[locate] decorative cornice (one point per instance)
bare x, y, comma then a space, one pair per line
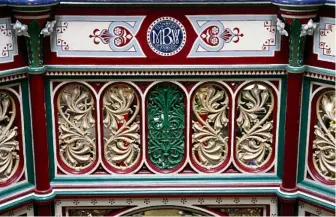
12, 77
165, 73
320, 76
287, 3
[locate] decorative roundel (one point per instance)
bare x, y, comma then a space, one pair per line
166, 36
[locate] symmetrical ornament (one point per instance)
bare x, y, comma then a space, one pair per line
9, 146
210, 130
297, 43
34, 45
8, 46
324, 144
324, 40
166, 126
255, 122
228, 36
76, 119
177, 206
166, 36
99, 36
121, 106
158, 127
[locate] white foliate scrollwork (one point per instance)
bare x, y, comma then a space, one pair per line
324, 144
75, 106
281, 27
121, 127
254, 136
210, 106
309, 28
9, 146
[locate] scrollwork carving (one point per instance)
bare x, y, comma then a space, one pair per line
166, 126
324, 144
76, 121
254, 136
9, 146
122, 126
209, 139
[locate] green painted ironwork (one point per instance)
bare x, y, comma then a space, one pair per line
166, 126
34, 46
296, 44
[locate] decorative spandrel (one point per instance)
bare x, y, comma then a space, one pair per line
76, 119
254, 138
9, 146
121, 119
324, 145
210, 126
166, 126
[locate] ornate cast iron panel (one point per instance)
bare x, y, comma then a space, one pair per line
166, 126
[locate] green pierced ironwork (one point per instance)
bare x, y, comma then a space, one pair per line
296, 44
166, 126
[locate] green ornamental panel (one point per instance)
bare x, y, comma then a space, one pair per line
166, 126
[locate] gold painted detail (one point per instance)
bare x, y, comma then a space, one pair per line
9, 146
76, 121
243, 211
121, 126
210, 132
89, 212
324, 144
254, 133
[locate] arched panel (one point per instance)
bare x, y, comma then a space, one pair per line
254, 128
11, 147
321, 155
166, 127
76, 118
120, 120
210, 150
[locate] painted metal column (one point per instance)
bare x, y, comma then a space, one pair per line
29, 23
296, 23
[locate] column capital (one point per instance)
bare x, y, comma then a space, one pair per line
33, 23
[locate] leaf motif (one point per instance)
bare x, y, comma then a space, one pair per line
121, 106
9, 146
324, 144
254, 110
76, 126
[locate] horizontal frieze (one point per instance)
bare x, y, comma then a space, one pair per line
165, 127
165, 37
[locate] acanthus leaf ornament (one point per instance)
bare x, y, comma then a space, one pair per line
48, 29
210, 146
166, 126
121, 114
309, 28
20, 29
324, 144
254, 144
281, 27
76, 127
9, 146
